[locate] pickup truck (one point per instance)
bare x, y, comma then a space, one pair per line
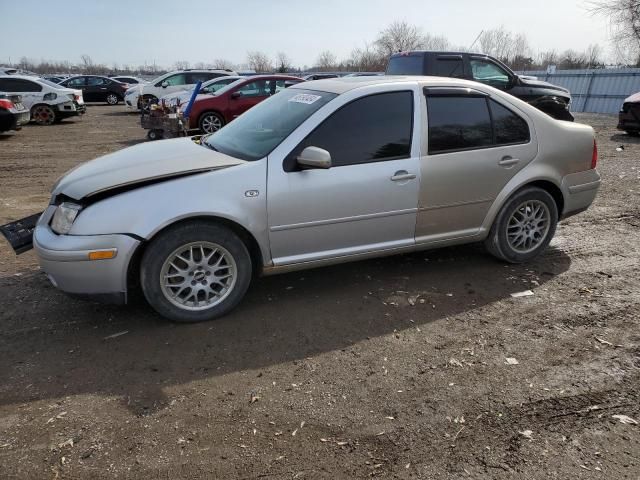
549, 98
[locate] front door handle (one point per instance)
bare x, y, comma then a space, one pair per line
402, 175
508, 161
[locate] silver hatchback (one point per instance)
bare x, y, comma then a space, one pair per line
324, 172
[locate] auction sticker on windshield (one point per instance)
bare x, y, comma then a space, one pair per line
305, 98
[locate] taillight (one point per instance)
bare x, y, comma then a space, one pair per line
7, 104
76, 97
594, 156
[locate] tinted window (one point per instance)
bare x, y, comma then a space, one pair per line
370, 129
458, 123
95, 81
195, 77
507, 126
406, 65
488, 72
19, 85
448, 67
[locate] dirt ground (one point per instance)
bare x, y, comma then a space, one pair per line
390, 368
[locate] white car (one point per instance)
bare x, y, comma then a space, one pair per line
48, 102
169, 83
207, 88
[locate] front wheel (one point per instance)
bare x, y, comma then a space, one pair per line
195, 271
524, 226
43, 115
210, 122
112, 99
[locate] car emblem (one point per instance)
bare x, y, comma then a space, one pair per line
251, 193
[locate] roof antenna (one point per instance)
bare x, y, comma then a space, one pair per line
477, 38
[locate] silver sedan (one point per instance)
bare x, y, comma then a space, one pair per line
324, 172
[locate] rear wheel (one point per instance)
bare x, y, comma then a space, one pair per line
112, 99
524, 226
195, 271
43, 115
210, 122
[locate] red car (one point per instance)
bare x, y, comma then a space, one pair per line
211, 112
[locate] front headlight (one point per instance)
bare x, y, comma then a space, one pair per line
64, 217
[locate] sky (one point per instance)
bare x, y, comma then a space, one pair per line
163, 31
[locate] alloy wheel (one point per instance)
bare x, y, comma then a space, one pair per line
44, 115
528, 226
112, 99
211, 124
198, 276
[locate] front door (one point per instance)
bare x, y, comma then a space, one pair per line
247, 96
475, 146
96, 89
367, 200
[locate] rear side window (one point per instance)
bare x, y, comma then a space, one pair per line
448, 67
95, 81
508, 127
406, 65
370, 129
195, 77
459, 123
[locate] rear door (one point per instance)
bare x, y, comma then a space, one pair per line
446, 66
31, 92
475, 145
97, 89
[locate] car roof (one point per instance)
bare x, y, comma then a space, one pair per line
344, 84
23, 77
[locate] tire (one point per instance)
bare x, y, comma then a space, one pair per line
524, 226
210, 122
112, 98
176, 280
633, 133
155, 134
43, 114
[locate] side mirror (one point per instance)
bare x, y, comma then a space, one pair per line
314, 157
236, 94
164, 84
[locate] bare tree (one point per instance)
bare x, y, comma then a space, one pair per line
222, 64
326, 61
283, 62
593, 55
434, 42
624, 20
399, 36
367, 59
181, 65
87, 63
259, 61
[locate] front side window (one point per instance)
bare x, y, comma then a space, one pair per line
448, 67
173, 80
458, 123
254, 89
467, 122
370, 129
76, 82
95, 81
255, 133
485, 71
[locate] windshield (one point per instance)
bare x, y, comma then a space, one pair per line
231, 85
256, 133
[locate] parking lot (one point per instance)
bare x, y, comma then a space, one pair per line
414, 366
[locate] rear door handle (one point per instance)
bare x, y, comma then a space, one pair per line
401, 175
508, 161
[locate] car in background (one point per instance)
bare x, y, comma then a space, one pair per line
169, 83
319, 76
629, 116
324, 172
211, 112
96, 88
48, 102
13, 114
54, 78
129, 80
210, 87
364, 74
551, 99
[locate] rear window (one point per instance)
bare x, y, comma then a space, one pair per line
448, 67
406, 65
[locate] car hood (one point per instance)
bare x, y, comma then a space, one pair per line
635, 98
141, 164
528, 82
